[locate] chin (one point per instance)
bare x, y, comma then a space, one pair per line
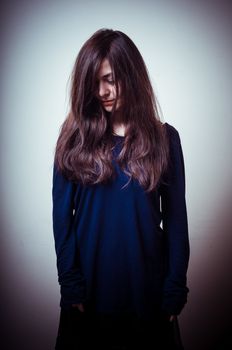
108, 108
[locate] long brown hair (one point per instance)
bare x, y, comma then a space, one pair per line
84, 146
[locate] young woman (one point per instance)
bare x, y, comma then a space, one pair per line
119, 210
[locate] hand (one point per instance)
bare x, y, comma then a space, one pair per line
171, 318
80, 307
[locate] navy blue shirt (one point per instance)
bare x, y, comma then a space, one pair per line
120, 249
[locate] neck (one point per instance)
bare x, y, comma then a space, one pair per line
118, 124
119, 129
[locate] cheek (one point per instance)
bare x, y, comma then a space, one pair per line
113, 91
119, 90
119, 103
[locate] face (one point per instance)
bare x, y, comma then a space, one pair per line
106, 88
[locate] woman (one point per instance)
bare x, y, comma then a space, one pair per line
118, 176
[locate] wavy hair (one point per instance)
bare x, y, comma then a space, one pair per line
85, 143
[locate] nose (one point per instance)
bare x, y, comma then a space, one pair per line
103, 89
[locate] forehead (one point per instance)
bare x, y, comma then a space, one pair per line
105, 69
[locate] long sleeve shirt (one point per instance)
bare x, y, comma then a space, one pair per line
112, 253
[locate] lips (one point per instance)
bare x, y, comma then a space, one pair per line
108, 103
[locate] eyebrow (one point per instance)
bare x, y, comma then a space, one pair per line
106, 75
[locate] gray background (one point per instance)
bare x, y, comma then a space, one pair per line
187, 48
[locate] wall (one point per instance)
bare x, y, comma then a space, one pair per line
187, 48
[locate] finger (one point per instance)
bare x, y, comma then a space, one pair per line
79, 306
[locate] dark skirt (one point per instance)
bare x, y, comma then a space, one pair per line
82, 331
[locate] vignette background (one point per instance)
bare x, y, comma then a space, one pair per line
187, 48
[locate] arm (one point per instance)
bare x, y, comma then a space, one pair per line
175, 226
71, 280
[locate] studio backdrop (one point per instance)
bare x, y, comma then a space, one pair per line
187, 48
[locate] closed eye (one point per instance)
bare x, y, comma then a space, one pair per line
110, 81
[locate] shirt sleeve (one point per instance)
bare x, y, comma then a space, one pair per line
175, 226
70, 277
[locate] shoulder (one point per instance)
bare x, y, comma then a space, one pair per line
171, 130
172, 135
